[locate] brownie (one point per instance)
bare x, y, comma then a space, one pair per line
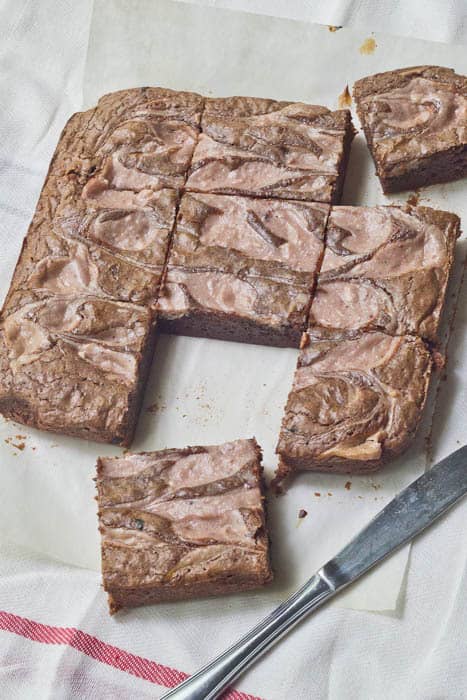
77, 328
385, 268
252, 146
62, 266
75, 366
355, 402
136, 140
242, 268
137, 229
182, 523
415, 122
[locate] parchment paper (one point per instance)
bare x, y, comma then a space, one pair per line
205, 391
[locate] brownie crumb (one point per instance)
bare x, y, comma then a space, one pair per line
332, 28
17, 445
439, 360
344, 99
413, 199
368, 46
156, 407
302, 513
317, 493
348, 485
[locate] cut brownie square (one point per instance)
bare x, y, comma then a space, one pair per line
54, 264
136, 140
76, 337
356, 401
263, 148
138, 229
242, 268
385, 268
75, 365
415, 122
182, 523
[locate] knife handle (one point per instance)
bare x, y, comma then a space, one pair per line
209, 682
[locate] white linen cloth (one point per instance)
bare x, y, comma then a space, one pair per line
417, 651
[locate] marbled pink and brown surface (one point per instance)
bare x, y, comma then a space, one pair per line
78, 323
385, 268
182, 522
411, 114
356, 400
264, 148
251, 258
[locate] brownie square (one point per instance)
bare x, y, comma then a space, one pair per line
76, 339
242, 268
415, 122
62, 266
139, 229
385, 268
356, 401
75, 365
134, 141
263, 148
182, 523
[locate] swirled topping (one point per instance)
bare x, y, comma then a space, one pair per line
265, 301
293, 151
384, 268
420, 106
354, 399
139, 142
69, 267
134, 226
105, 334
68, 274
259, 229
413, 113
182, 510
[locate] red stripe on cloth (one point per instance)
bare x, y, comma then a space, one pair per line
101, 651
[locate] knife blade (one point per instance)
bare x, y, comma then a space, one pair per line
410, 512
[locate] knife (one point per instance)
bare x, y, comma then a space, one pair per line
410, 512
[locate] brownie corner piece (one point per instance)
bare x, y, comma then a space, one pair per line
415, 123
142, 138
265, 148
86, 382
355, 403
182, 523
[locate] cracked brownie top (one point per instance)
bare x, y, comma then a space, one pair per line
183, 519
258, 147
385, 268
